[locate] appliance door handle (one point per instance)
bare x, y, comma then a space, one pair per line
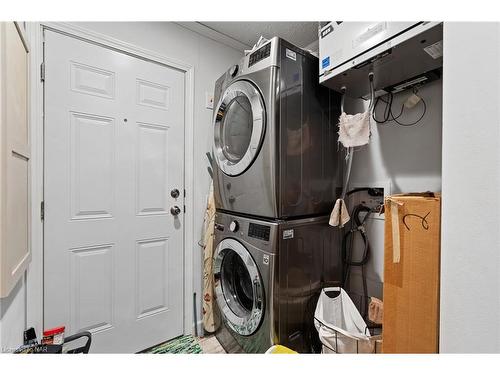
258, 296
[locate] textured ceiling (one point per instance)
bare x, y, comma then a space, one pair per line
299, 33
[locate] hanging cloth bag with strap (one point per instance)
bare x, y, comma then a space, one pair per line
340, 326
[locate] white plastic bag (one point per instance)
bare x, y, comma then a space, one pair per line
340, 326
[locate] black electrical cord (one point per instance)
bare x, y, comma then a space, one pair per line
387, 109
414, 122
388, 114
357, 226
374, 192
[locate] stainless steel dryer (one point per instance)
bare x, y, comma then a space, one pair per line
268, 275
275, 135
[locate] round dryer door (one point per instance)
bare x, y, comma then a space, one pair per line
238, 287
239, 127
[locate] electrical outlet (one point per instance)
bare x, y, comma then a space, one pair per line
368, 200
209, 100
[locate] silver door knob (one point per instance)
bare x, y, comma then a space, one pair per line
175, 210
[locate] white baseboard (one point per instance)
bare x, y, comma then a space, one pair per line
200, 331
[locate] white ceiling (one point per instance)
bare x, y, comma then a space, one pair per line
244, 35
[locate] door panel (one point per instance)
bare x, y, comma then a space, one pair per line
114, 148
151, 276
152, 94
92, 298
15, 253
152, 183
92, 158
93, 81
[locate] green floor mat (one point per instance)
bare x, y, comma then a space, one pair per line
180, 345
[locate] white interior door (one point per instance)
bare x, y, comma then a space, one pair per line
114, 150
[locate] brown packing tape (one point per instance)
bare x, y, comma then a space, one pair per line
396, 239
413, 197
396, 233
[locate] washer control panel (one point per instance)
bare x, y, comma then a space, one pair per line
258, 231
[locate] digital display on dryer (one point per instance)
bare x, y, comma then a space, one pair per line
260, 54
259, 231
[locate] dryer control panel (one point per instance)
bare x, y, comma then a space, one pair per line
263, 57
260, 54
259, 231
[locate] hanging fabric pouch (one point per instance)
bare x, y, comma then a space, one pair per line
354, 130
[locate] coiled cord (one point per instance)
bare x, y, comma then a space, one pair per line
389, 116
357, 226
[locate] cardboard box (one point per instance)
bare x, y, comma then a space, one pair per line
411, 273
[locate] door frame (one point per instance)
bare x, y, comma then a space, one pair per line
34, 294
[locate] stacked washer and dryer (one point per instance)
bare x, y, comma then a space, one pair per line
276, 178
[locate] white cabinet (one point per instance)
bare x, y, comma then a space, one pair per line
14, 157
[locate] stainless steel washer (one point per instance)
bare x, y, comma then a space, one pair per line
268, 275
239, 288
275, 136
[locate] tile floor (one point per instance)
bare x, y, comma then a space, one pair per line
210, 345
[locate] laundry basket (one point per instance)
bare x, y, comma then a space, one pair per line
340, 327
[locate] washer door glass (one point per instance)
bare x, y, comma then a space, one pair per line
238, 287
236, 284
238, 127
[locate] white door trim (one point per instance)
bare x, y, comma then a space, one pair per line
34, 301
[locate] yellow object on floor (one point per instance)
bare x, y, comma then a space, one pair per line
280, 349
